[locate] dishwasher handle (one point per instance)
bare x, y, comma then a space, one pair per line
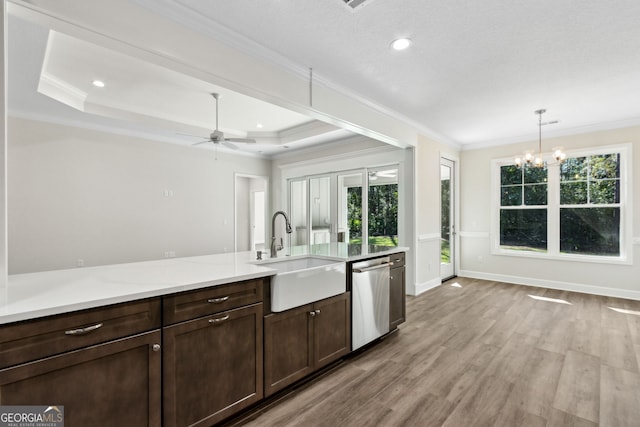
375, 267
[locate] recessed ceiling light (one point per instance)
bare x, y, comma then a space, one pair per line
400, 44
259, 125
98, 83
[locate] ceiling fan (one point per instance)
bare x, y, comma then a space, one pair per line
217, 136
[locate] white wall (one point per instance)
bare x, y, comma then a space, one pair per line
243, 215
3, 147
103, 198
427, 253
476, 258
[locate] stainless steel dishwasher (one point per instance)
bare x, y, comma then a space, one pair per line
370, 300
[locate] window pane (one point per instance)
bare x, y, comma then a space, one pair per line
383, 208
605, 191
605, 166
510, 175
535, 194
573, 193
590, 231
350, 208
574, 169
320, 197
534, 175
298, 206
524, 229
511, 196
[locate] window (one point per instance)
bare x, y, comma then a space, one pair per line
573, 210
383, 207
590, 205
356, 207
523, 208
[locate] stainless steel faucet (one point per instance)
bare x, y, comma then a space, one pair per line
275, 248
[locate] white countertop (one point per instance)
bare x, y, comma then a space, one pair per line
33, 295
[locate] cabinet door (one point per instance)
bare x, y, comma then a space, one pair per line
117, 383
332, 329
397, 298
212, 366
288, 354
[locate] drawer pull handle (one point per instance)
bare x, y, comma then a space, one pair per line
82, 331
217, 300
218, 320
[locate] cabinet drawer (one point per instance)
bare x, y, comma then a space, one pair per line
33, 339
397, 259
193, 304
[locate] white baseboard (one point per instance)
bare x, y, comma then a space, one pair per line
419, 288
563, 286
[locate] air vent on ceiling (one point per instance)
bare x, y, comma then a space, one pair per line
355, 3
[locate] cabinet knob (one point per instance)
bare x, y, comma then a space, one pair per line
312, 313
156, 347
318, 311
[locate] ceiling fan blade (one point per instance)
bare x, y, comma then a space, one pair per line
202, 142
245, 140
189, 134
228, 144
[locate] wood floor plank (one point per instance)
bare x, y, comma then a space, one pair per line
482, 404
578, 391
512, 359
617, 350
536, 386
558, 337
514, 416
335, 408
619, 398
587, 336
424, 410
559, 418
536, 323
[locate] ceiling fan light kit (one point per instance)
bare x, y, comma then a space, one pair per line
532, 159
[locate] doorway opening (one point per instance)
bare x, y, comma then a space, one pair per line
447, 219
251, 206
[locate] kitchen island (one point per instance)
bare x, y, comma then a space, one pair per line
185, 341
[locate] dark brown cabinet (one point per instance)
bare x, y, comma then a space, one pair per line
117, 382
397, 291
212, 366
304, 339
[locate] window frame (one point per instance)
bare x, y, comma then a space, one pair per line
553, 208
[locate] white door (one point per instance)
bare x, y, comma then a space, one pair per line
447, 219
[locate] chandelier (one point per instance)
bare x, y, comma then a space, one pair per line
535, 159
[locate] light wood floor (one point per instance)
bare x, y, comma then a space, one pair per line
480, 353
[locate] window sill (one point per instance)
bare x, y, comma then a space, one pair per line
591, 259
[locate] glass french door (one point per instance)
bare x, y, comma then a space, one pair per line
447, 219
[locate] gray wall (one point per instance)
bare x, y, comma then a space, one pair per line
77, 194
